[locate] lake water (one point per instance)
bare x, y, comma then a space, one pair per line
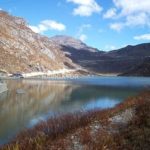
27, 102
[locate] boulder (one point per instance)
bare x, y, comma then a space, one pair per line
3, 87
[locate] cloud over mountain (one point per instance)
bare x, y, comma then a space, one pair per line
142, 37
46, 25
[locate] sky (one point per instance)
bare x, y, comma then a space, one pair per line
103, 24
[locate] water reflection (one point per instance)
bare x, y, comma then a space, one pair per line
41, 99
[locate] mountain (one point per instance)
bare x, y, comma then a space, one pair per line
78, 52
22, 50
72, 42
125, 59
140, 50
113, 62
140, 70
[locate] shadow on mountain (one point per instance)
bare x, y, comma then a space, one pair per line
117, 61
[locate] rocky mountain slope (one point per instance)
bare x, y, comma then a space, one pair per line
22, 50
124, 59
72, 42
113, 62
140, 70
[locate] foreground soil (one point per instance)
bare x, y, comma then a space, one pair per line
125, 127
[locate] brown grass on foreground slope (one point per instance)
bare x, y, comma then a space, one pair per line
125, 127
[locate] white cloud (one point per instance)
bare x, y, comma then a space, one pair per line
140, 19
35, 29
110, 13
142, 37
84, 27
129, 7
46, 25
83, 37
51, 24
110, 47
80, 34
131, 12
116, 26
86, 7
1, 9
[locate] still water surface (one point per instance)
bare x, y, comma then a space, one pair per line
27, 102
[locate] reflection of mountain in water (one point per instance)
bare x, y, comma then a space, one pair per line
44, 98
17, 110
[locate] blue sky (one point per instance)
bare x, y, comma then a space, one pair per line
104, 24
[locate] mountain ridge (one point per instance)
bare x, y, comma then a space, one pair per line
65, 40
22, 50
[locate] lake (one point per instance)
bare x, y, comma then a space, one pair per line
27, 102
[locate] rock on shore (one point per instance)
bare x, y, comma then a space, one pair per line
3, 87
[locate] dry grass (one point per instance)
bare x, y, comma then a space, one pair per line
91, 130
